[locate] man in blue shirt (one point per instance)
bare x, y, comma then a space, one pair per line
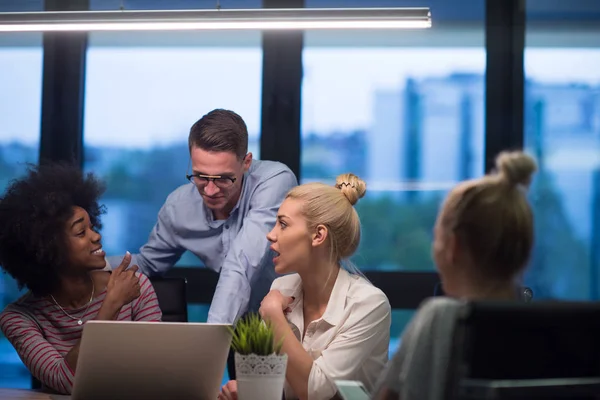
222, 216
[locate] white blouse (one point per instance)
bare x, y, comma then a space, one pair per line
350, 341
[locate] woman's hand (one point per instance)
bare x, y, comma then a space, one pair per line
274, 305
123, 285
228, 391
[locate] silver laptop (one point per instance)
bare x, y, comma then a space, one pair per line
150, 360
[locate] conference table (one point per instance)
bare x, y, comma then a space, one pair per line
25, 394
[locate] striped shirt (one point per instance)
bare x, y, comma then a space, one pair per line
43, 335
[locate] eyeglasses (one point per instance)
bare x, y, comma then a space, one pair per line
222, 182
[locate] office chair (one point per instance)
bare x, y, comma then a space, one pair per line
540, 350
406, 290
172, 299
525, 293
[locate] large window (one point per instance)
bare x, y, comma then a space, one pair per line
404, 110
562, 128
409, 121
143, 93
20, 97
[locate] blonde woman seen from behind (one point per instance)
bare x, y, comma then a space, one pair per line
483, 238
334, 323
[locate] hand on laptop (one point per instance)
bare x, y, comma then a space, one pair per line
124, 285
228, 391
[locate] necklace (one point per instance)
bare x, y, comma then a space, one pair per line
79, 320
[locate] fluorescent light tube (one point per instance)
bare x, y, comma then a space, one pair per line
253, 19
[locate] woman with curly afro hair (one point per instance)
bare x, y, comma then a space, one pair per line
49, 243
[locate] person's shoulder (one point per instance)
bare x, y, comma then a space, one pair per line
437, 312
364, 302
20, 308
146, 287
143, 279
286, 282
26, 301
183, 194
439, 305
262, 171
360, 290
266, 168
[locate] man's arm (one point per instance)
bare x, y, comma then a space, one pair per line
249, 249
161, 251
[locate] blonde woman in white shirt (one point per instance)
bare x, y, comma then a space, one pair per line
334, 323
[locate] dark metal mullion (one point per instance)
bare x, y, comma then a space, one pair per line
63, 88
505, 80
281, 92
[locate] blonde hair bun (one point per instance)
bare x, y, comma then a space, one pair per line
516, 167
351, 186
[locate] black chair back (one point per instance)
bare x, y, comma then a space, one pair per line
524, 293
171, 293
405, 290
541, 350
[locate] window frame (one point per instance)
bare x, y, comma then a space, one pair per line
64, 86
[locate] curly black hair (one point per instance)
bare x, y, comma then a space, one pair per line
33, 214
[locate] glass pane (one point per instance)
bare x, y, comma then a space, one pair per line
407, 118
172, 4
20, 112
562, 128
21, 5
143, 93
441, 10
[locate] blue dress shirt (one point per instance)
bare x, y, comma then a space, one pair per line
236, 248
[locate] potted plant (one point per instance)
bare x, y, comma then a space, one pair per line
259, 365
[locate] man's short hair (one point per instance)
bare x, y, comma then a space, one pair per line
220, 130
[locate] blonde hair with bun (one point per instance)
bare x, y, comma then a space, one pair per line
333, 206
492, 216
351, 186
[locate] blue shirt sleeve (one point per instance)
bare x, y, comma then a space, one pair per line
249, 249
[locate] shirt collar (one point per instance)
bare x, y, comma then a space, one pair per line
337, 302
242, 192
295, 291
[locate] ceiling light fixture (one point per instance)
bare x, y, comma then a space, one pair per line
217, 19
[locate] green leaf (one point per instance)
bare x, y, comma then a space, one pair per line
252, 335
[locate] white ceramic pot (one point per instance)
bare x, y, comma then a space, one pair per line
260, 377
